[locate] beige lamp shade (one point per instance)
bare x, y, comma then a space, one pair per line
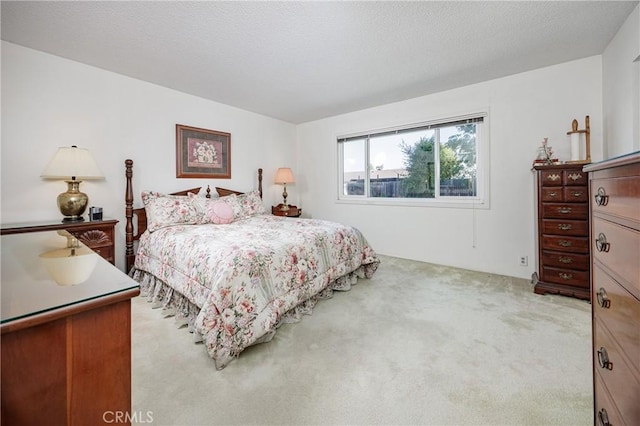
70, 266
284, 175
72, 162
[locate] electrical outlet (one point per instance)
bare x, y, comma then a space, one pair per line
524, 260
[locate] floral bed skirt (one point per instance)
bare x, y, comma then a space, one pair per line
185, 313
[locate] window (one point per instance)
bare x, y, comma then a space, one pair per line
430, 162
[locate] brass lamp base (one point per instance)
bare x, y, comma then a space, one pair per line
72, 219
73, 203
284, 207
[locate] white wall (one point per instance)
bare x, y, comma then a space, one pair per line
621, 86
48, 102
523, 109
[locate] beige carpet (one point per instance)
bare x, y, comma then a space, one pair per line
418, 344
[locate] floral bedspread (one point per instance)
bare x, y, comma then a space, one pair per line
241, 279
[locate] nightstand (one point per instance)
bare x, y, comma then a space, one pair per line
292, 212
98, 235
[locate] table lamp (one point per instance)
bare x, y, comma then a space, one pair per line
284, 175
73, 165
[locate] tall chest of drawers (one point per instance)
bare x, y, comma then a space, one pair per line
614, 187
563, 231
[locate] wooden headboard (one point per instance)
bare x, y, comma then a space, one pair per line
139, 215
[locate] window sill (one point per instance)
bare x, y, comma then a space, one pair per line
466, 203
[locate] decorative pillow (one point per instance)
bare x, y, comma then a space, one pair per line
147, 196
212, 210
219, 212
166, 210
250, 204
200, 203
233, 201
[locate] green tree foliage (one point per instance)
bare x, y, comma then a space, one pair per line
457, 160
463, 144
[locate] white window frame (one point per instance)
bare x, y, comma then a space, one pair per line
481, 200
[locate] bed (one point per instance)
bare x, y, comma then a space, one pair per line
233, 281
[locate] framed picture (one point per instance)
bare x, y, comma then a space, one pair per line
202, 153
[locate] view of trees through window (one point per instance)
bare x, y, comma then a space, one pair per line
440, 161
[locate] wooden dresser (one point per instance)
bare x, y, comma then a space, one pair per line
563, 231
614, 187
66, 349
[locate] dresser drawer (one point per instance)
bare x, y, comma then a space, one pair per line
565, 227
565, 276
565, 211
618, 248
619, 312
565, 260
576, 194
552, 193
94, 237
620, 378
618, 197
606, 412
574, 177
551, 177
98, 236
105, 251
565, 244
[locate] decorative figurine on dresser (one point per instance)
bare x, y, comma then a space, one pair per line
563, 230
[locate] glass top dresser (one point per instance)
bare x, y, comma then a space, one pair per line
66, 332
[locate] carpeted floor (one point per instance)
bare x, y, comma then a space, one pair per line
418, 344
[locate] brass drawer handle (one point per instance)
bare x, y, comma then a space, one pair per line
564, 259
553, 194
565, 276
603, 301
575, 176
554, 177
564, 210
565, 226
577, 193
601, 243
603, 418
603, 359
564, 243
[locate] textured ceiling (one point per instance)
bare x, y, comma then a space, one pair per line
302, 61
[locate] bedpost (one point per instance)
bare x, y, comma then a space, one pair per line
128, 229
260, 181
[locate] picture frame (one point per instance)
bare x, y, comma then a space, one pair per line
202, 153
